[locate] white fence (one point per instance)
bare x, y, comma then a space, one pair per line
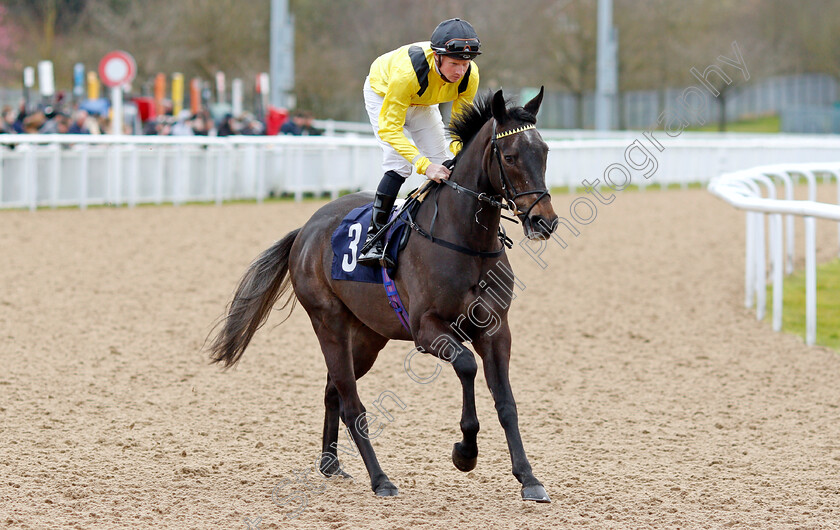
56, 170
742, 189
60, 170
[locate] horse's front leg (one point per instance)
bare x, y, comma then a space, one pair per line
495, 353
433, 336
465, 452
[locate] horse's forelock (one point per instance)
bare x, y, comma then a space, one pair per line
520, 114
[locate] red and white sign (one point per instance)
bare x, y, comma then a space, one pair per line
117, 68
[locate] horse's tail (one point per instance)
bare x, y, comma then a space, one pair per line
265, 281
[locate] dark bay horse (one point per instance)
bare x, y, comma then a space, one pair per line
502, 164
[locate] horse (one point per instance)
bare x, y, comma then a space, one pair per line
440, 278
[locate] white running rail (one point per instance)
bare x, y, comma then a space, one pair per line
742, 189
66, 170
82, 170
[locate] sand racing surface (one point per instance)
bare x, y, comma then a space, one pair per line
648, 396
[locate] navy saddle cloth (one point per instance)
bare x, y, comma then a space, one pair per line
348, 239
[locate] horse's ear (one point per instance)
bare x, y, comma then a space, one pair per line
533, 106
499, 109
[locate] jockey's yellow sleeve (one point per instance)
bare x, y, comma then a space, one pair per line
408, 76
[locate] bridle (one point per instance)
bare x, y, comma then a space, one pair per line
508, 189
509, 197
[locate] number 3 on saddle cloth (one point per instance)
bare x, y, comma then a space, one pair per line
347, 241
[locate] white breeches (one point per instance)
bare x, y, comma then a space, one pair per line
423, 125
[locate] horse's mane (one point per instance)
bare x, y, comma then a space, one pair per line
466, 124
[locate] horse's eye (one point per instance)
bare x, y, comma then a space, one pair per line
509, 159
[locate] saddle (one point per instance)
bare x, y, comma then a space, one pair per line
348, 238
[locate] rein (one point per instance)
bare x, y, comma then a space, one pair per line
447, 244
458, 248
483, 197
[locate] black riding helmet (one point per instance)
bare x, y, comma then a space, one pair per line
455, 38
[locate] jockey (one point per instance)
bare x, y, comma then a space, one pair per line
402, 93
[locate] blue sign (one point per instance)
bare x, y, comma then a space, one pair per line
79, 79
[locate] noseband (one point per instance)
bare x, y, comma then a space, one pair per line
508, 189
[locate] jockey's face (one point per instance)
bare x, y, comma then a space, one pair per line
453, 69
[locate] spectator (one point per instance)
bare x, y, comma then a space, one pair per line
79, 125
183, 126
227, 127
307, 127
92, 124
62, 123
251, 126
7, 121
32, 123
295, 125
104, 123
50, 126
164, 125
202, 123
18, 123
150, 128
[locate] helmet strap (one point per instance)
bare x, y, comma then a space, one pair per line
437, 67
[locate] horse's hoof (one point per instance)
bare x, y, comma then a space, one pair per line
461, 462
535, 493
386, 490
339, 474
335, 471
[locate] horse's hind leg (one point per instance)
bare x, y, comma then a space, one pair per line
329, 465
346, 343
364, 355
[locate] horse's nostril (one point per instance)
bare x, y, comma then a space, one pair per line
541, 224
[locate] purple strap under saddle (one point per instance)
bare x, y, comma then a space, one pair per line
394, 299
391, 291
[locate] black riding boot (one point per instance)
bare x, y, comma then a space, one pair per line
381, 212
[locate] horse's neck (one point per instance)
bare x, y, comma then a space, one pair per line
462, 218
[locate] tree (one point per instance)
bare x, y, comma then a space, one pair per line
814, 27
550, 42
9, 35
195, 37
45, 18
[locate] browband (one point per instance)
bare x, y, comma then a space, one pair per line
517, 130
